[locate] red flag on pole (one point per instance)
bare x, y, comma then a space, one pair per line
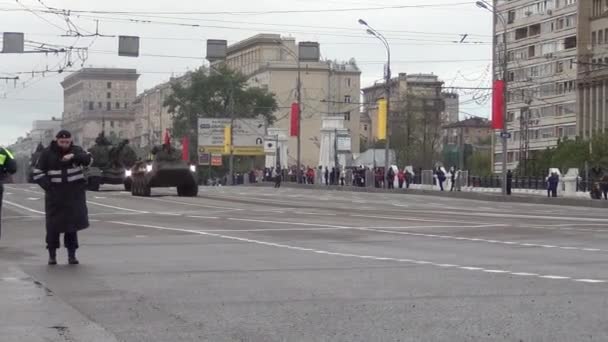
185, 149
167, 140
498, 102
295, 116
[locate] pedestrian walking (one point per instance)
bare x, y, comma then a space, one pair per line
452, 178
278, 176
552, 183
400, 178
342, 176
409, 177
391, 178
440, 177
59, 172
509, 182
8, 167
326, 175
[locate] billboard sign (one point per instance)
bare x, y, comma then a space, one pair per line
247, 136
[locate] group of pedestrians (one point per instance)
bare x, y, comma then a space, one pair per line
455, 178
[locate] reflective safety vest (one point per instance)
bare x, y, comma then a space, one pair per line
5, 155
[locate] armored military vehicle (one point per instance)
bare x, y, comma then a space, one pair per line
165, 170
110, 163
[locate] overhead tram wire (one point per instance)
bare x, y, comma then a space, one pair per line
330, 10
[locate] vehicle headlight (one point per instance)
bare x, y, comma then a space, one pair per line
192, 168
148, 168
127, 173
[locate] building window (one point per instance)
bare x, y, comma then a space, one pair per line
112, 124
593, 38
117, 105
347, 98
511, 17
347, 116
109, 95
570, 42
365, 128
91, 105
600, 37
109, 85
348, 82
109, 106
99, 105
126, 105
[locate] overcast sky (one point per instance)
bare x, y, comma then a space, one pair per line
421, 36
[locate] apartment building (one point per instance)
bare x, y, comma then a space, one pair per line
593, 68
96, 99
151, 117
417, 115
541, 74
328, 88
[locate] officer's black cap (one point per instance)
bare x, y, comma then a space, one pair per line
63, 134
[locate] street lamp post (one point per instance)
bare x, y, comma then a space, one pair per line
373, 32
504, 133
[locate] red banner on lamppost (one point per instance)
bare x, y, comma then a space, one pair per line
498, 103
295, 117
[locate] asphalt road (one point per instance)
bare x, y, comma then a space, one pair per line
260, 264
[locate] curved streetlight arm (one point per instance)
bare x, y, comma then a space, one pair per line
381, 37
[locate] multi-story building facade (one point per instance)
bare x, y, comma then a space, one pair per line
593, 68
99, 99
270, 61
462, 138
541, 74
152, 117
452, 107
416, 119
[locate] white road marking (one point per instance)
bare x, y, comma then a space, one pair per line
33, 198
118, 208
204, 217
291, 223
24, 207
318, 251
593, 281
8, 193
461, 238
411, 219
554, 277
318, 214
190, 204
525, 274
99, 197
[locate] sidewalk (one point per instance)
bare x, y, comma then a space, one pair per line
32, 313
519, 196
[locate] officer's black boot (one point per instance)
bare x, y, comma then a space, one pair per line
72, 257
52, 257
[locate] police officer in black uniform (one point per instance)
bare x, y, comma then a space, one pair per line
8, 166
59, 171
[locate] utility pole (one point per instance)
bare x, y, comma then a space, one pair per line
299, 141
231, 113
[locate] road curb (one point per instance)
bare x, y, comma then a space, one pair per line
561, 201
